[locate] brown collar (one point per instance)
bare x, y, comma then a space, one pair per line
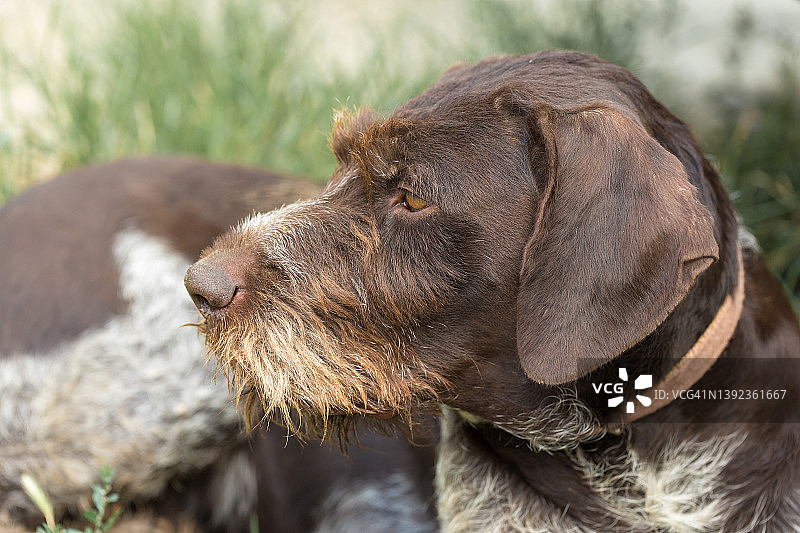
699, 359
692, 366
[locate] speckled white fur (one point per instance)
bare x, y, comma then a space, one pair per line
670, 495
134, 394
378, 505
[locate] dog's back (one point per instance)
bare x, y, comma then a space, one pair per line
60, 276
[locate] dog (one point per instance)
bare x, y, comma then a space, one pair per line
510, 249
96, 369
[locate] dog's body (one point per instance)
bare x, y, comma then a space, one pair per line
96, 368
501, 244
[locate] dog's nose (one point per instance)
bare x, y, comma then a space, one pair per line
212, 283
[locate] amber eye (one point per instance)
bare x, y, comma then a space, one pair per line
414, 203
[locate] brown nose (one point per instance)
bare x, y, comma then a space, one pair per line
212, 283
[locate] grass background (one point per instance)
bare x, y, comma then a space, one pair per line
257, 82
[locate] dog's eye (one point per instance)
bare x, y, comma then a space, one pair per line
414, 203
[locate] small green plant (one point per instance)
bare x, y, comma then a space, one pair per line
102, 497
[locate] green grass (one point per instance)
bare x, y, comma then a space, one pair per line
164, 79
758, 150
101, 518
245, 81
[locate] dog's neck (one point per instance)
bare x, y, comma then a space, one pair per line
468, 440
532, 423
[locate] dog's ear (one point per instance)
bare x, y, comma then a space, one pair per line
618, 240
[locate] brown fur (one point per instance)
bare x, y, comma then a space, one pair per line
573, 227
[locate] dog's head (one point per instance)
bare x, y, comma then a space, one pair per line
515, 227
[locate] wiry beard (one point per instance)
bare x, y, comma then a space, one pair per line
317, 376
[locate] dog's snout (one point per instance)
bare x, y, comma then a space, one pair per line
212, 283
